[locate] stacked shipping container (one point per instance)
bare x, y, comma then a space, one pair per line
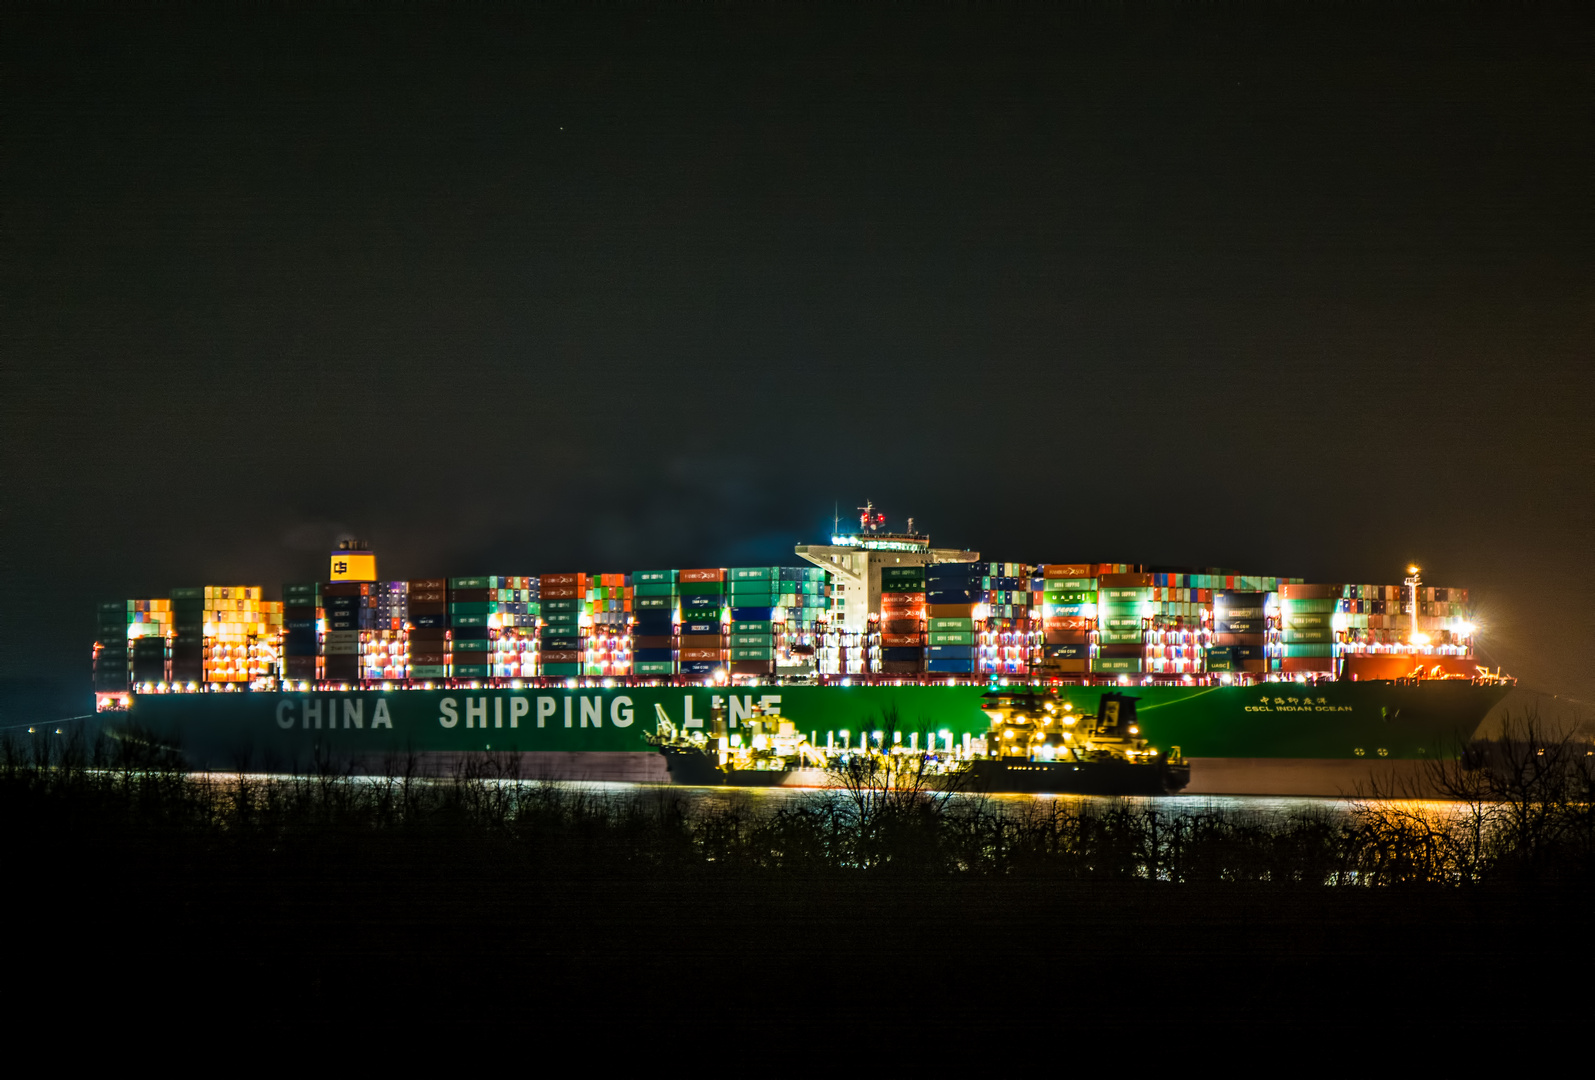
953, 592
111, 658
703, 608
655, 604
563, 600
955, 619
902, 623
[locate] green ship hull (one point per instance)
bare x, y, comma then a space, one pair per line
1249, 733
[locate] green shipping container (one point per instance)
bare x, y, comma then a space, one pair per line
1318, 651
765, 653
1066, 584
428, 671
701, 588
653, 577
470, 583
654, 588
195, 593
1309, 620
561, 671
653, 603
1119, 637
556, 606
754, 573
955, 637
1123, 596
742, 599
467, 620
1309, 636
1115, 665
753, 627
1073, 596
472, 645
953, 625
472, 671
473, 607
649, 667
753, 641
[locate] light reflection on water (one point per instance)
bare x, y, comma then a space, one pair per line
761, 800
771, 799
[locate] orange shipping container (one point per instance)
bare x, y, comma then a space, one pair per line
560, 592
951, 611
561, 656
1124, 581
703, 575
1309, 592
558, 580
1068, 570
700, 654
1068, 622
902, 640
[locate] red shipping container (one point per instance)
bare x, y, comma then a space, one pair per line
752, 667
1066, 637
703, 575
901, 626
1308, 663
1124, 581
902, 640
558, 580
1068, 622
435, 584
700, 654
560, 592
951, 611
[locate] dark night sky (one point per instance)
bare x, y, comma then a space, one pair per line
1307, 295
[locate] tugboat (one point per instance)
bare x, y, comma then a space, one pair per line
766, 751
1035, 744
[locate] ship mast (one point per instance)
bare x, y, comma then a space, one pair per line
1413, 580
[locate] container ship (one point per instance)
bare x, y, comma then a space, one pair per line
876, 642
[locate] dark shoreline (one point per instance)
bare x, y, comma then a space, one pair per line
469, 897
